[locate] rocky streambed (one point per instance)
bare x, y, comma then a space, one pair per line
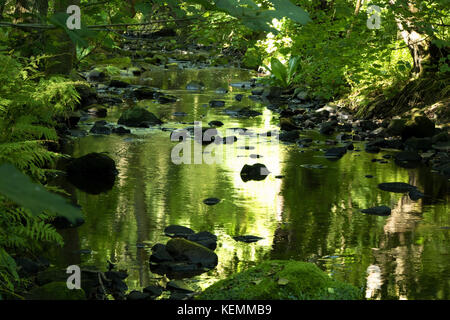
296, 178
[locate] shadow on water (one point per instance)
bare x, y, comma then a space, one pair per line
311, 214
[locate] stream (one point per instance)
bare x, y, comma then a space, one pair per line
307, 209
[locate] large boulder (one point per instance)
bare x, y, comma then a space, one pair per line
184, 250
138, 117
93, 173
419, 127
281, 280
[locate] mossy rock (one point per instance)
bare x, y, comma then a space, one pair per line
184, 250
138, 117
281, 280
396, 127
56, 291
119, 62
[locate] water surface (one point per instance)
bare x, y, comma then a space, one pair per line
309, 215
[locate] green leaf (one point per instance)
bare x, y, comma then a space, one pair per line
279, 70
19, 188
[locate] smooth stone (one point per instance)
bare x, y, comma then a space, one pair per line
178, 231
183, 250
415, 195
407, 156
216, 104
211, 201
397, 187
256, 172
336, 152
160, 254
215, 123
247, 238
205, 238
379, 211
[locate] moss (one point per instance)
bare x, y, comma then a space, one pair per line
120, 62
281, 280
56, 291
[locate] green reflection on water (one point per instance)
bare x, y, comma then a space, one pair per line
309, 215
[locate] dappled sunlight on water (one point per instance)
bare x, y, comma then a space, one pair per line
310, 214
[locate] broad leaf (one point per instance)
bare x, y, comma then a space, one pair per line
279, 70
19, 188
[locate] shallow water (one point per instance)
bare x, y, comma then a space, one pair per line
310, 214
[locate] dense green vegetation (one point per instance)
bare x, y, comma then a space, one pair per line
322, 47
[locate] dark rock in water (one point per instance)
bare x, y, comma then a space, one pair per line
336, 152
215, 123
238, 97
369, 176
216, 103
407, 159
138, 117
153, 291
328, 127
408, 156
418, 144
415, 195
205, 238
247, 238
121, 130
379, 211
138, 296
178, 231
289, 136
61, 222
101, 127
221, 90
160, 254
118, 84
247, 113
286, 124
98, 111
144, 93
93, 173
177, 285
372, 148
165, 98
257, 172
398, 187
184, 250
386, 144
367, 125
211, 201
419, 127
195, 86
272, 92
